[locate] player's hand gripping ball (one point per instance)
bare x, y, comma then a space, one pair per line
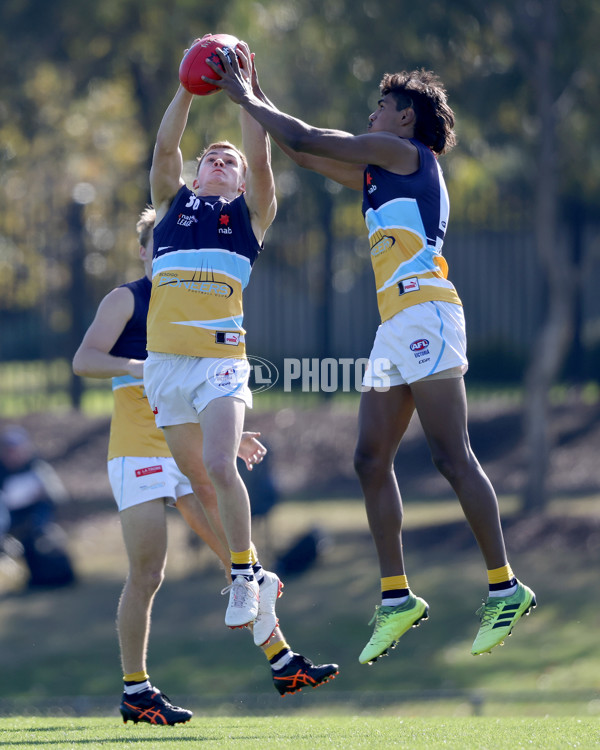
193, 66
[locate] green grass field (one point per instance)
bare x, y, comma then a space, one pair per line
59, 658
232, 733
63, 643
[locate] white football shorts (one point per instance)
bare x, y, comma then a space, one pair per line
180, 387
423, 341
135, 480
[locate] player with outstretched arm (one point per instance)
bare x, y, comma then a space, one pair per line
422, 332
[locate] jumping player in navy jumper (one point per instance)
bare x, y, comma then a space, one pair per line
145, 479
206, 240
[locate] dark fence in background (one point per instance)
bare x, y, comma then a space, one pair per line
308, 311
293, 313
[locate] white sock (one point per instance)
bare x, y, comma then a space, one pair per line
138, 687
284, 661
394, 602
504, 592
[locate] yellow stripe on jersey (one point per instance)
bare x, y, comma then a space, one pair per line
392, 247
390, 301
185, 315
133, 431
406, 272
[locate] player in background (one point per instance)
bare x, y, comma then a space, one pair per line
422, 333
145, 479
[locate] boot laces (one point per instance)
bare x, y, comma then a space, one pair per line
240, 590
488, 611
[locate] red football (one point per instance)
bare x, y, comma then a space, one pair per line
193, 66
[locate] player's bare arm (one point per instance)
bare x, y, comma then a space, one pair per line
388, 149
167, 162
93, 359
349, 175
260, 184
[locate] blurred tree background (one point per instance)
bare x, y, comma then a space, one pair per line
84, 86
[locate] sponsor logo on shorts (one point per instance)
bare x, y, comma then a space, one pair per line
419, 349
148, 470
262, 374
150, 487
419, 345
225, 377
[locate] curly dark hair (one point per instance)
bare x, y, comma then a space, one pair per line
424, 92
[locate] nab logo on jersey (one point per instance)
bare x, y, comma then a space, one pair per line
224, 227
370, 187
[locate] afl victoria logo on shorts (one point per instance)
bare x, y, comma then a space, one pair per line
419, 347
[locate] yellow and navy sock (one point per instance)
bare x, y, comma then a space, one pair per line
394, 591
241, 564
259, 572
257, 568
502, 581
136, 682
279, 655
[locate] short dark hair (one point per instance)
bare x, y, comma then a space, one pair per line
424, 92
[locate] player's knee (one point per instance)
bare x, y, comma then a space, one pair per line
205, 493
368, 465
147, 579
221, 469
451, 468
